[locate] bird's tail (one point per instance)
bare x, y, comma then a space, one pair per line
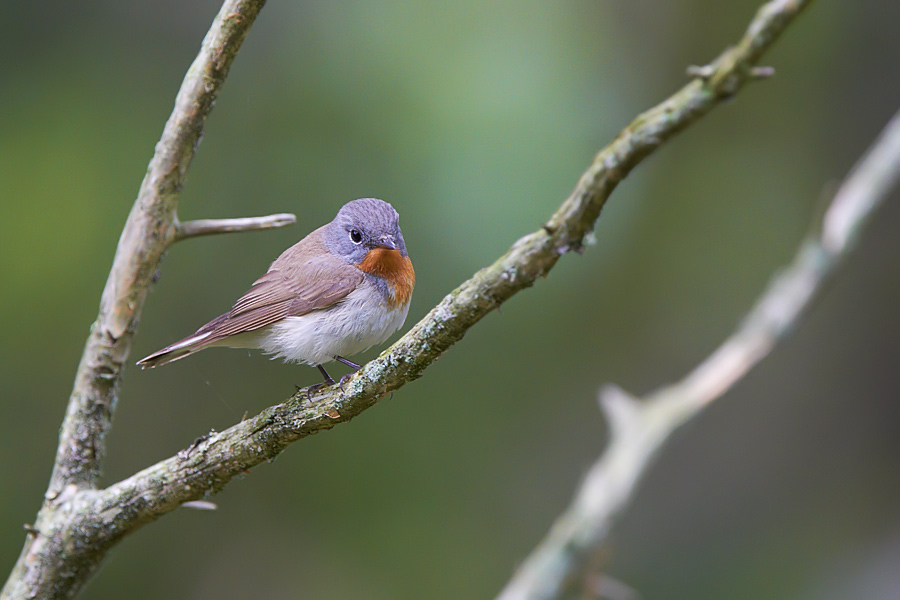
180, 349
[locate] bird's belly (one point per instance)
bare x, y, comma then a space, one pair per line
360, 321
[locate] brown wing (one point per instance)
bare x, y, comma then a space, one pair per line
304, 278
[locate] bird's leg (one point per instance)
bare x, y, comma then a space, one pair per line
328, 379
318, 386
350, 364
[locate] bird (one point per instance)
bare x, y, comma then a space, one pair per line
342, 289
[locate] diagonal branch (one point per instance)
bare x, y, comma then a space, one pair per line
560, 566
44, 567
189, 229
78, 524
148, 232
209, 464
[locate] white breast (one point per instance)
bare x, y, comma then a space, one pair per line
360, 321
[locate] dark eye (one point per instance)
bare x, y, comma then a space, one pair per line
355, 236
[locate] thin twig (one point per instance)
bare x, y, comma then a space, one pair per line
56, 563
210, 465
79, 524
707, 71
148, 231
189, 229
560, 565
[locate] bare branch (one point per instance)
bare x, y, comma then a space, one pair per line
78, 524
707, 71
871, 179
560, 566
148, 232
47, 568
189, 229
207, 466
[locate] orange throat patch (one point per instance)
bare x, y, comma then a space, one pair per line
394, 268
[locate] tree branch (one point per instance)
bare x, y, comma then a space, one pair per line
78, 524
208, 465
189, 229
559, 567
46, 566
148, 231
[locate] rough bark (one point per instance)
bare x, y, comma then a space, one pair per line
79, 523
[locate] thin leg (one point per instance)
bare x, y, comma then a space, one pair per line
318, 386
349, 363
325, 374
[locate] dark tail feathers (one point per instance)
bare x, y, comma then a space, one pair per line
172, 352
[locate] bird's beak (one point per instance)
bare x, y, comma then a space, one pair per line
387, 241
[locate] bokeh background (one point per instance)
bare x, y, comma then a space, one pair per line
474, 119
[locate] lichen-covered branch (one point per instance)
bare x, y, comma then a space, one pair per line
148, 232
78, 523
209, 464
560, 566
53, 564
189, 229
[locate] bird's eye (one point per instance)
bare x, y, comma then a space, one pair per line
355, 236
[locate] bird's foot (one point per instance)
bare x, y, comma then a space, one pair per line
350, 364
319, 386
316, 387
344, 380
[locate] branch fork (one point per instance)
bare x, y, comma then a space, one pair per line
79, 523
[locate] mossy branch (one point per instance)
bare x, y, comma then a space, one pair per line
79, 523
59, 555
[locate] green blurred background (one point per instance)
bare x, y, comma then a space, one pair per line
474, 119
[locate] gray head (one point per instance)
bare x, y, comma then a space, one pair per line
362, 225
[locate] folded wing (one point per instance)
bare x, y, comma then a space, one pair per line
304, 278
